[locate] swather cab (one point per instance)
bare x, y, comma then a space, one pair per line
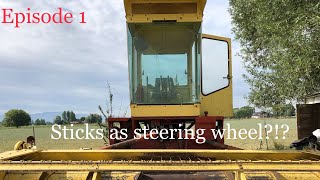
179, 77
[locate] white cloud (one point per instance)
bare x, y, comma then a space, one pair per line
217, 19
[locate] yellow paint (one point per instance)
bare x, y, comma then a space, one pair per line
115, 164
164, 110
2, 175
145, 15
18, 145
219, 103
131, 175
69, 175
19, 176
14, 154
137, 154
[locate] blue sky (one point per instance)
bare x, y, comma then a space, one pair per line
52, 68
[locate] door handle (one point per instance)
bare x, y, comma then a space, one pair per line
227, 77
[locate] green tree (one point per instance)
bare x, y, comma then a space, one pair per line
82, 119
16, 117
58, 120
283, 110
280, 42
94, 118
37, 122
290, 110
243, 112
68, 116
40, 122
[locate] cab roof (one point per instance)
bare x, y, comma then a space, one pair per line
140, 11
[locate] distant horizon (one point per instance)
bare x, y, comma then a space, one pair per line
49, 116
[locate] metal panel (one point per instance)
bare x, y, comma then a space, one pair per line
308, 119
157, 10
165, 8
219, 103
164, 110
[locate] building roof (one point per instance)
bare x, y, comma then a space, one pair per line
259, 113
313, 99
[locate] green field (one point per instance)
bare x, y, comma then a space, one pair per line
9, 136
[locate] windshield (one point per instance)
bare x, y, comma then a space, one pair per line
164, 63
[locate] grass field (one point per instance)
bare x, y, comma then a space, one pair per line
291, 135
9, 136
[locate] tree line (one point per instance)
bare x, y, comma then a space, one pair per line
19, 117
284, 110
68, 117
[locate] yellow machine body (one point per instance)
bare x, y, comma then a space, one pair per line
164, 110
218, 103
157, 164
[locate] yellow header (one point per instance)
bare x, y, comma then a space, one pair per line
144, 11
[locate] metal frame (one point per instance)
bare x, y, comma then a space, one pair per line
217, 38
136, 164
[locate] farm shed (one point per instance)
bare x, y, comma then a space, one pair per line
308, 116
261, 114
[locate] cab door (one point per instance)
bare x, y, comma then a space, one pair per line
216, 76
